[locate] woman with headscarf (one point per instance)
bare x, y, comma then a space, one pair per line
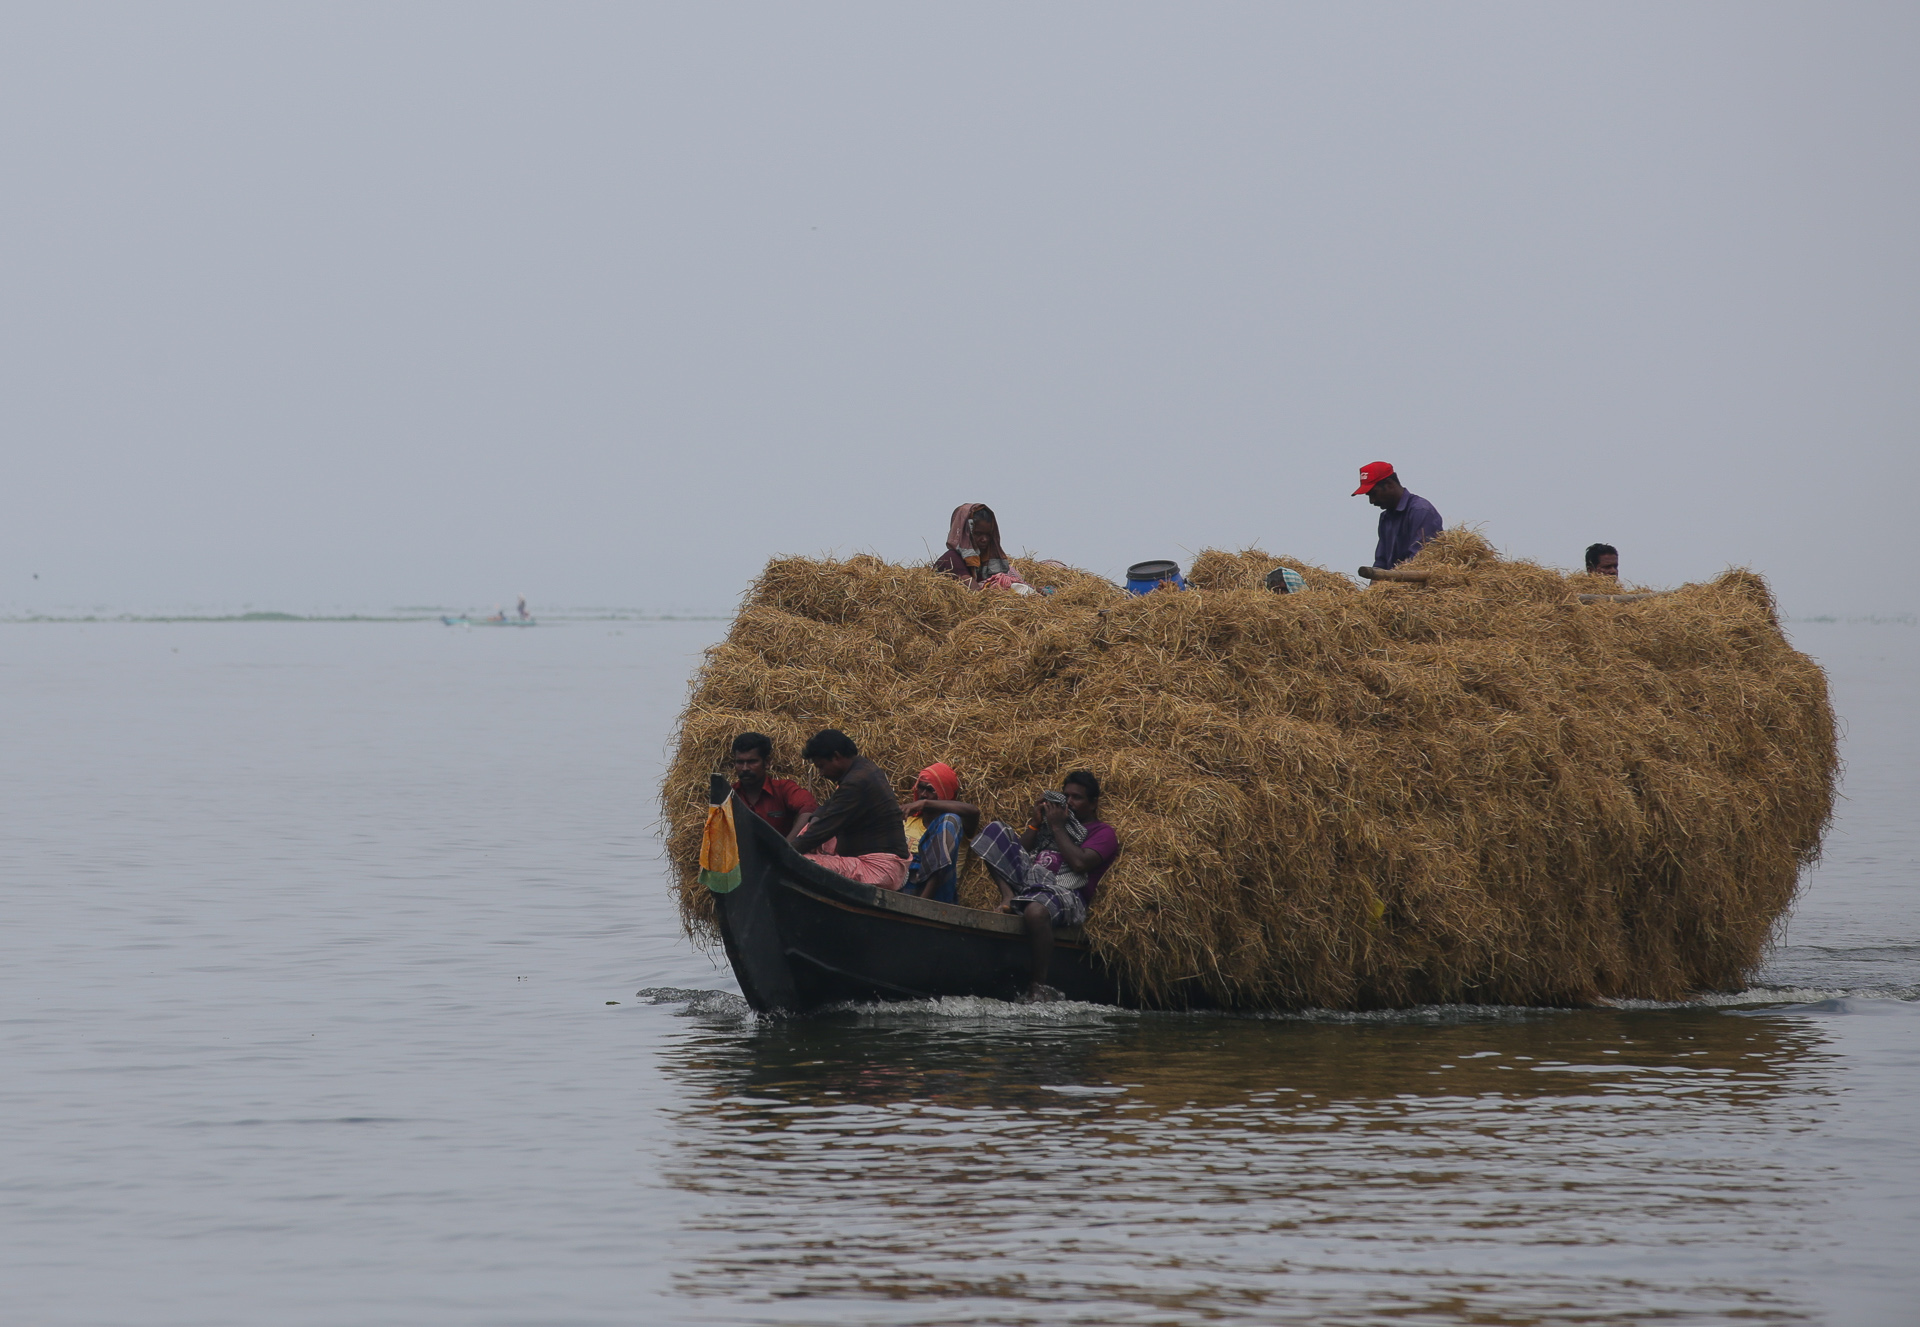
935, 822
974, 554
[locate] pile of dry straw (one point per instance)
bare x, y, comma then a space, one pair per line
1475, 790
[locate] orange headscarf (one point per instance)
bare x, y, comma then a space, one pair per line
944, 781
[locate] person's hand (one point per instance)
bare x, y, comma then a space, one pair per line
913, 808
1056, 813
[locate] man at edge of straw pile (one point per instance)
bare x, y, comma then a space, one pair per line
782, 803
1048, 875
1407, 520
861, 822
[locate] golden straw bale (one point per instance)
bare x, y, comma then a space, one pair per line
1248, 570
1474, 789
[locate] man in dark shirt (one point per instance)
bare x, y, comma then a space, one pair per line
782, 803
861, 822
1406, 520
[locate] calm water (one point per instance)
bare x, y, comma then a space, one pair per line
310, 937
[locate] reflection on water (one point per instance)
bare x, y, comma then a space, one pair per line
984, 1163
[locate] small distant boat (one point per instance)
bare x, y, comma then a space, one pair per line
497, 620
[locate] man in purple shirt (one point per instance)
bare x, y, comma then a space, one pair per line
1048, 874
1407, 520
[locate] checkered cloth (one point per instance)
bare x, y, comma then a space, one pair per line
1034, 877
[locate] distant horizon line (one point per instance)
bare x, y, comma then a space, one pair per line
408, 614
421, 613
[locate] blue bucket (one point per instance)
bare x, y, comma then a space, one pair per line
1144, 576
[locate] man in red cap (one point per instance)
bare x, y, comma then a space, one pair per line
1407, 520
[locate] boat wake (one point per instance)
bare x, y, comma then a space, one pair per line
723, 1006
1756, 1000
1784, 999
985, 1009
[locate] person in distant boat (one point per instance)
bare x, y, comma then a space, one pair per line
782, 803
860, 832
1604, 560
974, 554
1049, 873
936, 819
1407, 521
524, 614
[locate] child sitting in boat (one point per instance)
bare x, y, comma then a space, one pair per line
935, 822
1049, 873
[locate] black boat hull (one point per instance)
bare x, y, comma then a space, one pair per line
801, 938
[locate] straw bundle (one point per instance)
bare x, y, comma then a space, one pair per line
1477, 789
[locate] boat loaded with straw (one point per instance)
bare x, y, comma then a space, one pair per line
1475, 780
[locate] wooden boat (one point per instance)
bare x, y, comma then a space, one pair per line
801, 938
464, 621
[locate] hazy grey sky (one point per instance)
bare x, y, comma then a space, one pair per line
408, 304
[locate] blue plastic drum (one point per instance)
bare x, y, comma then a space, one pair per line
1145, 576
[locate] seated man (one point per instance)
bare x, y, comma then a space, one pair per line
782, 803
861, 822
935, 822
1048, 876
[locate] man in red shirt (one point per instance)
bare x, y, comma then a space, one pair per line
782, 803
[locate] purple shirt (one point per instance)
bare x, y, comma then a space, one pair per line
1105, 843
1404, 527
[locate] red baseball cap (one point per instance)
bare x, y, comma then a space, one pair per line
1370, 475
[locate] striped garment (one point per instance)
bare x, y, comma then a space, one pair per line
1034, 877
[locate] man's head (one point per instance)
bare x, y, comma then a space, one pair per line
1380, 485
1083, 794
831, 752
752, 755
1603, 558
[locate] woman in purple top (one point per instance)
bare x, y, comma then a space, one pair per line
1049, 874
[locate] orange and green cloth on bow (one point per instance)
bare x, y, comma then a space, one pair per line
720, 850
